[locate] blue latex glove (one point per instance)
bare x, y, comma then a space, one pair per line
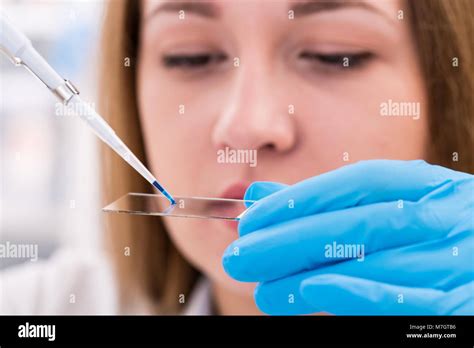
414, 220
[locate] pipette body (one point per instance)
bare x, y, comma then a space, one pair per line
21, 52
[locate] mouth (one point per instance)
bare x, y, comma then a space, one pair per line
234, 191
232, 209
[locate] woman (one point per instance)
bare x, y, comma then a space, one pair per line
397, 51
313, 88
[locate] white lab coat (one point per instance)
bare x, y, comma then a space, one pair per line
75, 282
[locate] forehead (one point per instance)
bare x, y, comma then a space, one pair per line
218, 8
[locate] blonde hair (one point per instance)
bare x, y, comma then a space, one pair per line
443, 31
155, 269
148, 264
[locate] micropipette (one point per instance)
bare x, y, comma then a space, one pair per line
18, 48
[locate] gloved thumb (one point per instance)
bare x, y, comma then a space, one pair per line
261, 189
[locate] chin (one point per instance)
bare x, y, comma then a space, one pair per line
202, 243
242, 289
218, 276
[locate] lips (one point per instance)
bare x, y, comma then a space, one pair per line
234, 191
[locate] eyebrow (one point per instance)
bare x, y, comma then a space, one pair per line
301, 8
305, 8
201, 8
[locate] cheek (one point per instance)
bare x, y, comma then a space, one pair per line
193, 234
347, 121
202, 242
174, 141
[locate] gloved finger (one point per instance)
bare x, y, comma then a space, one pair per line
447, 268
358, 184
441, 264
285, 297
261, 189
460, 300
343, 295
301, 244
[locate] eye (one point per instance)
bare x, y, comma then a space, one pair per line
192, 61
338, 60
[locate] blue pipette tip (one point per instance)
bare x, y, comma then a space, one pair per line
164, 192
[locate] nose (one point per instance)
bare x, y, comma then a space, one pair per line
254, 117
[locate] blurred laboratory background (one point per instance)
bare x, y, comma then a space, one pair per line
49, 172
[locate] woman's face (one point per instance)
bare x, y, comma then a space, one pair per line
305, 86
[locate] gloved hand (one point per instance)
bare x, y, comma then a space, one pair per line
376, 237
